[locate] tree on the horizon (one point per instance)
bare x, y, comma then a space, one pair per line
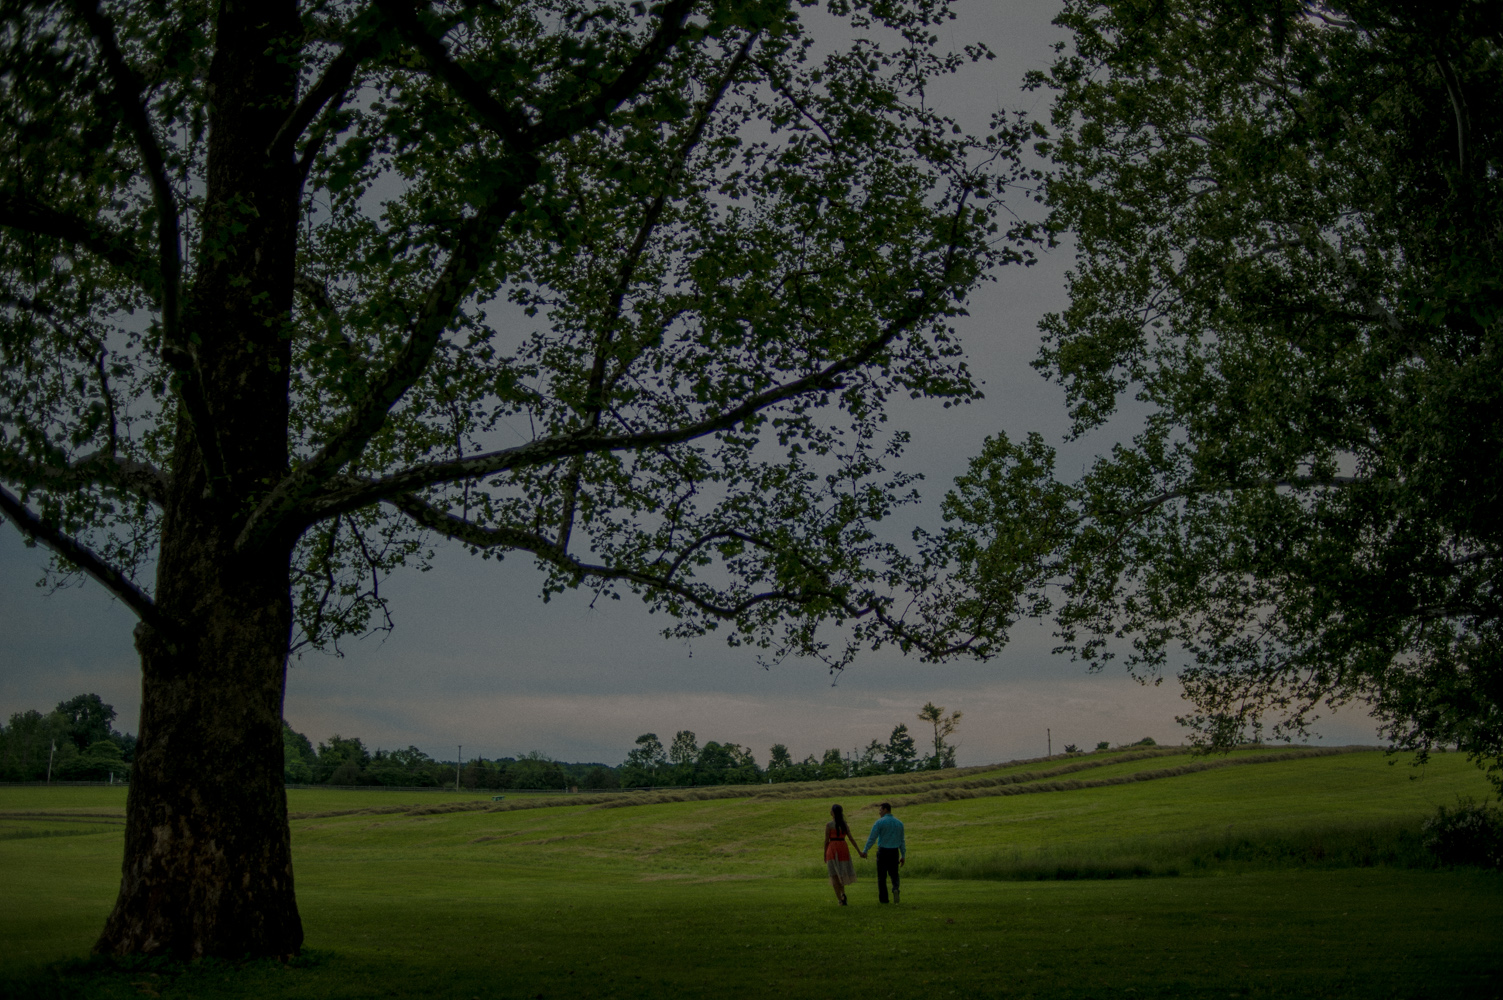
779, 762
298, 756
725, 764
535, 769
869, 760
291, 288
1290, 228
944, 727
89, 719
899, 752
26, 743
645, 760
683, 752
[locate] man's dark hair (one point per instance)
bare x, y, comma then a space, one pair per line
884, 807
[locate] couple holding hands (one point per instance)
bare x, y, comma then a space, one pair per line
887, 834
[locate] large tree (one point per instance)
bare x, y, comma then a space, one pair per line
289, 287
1290, 228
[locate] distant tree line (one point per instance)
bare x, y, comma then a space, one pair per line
346, 761
684, 762
79, 741
1147, 741
76, 741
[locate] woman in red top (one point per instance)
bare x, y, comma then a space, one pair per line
837, 855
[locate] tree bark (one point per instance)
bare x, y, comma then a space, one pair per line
208, 854
208, 862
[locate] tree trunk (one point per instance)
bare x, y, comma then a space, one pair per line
208, 855
208, 862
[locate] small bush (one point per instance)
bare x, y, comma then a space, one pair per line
1470, 834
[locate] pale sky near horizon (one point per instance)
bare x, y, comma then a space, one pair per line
477, 659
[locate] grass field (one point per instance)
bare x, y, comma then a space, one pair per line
1278, 875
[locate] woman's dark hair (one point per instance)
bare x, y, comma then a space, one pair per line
840, 824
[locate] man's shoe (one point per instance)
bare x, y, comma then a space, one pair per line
895, 896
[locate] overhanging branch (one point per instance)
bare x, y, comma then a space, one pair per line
307, 495
26, 215
671, 29
511, 126
386, 388
116, 582
595, 394
140, 479
482, 536
359, 46
1168, 496
548, 450
176, 351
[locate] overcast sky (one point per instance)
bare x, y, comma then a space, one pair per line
477, 659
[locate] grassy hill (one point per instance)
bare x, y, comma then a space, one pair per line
1267, 873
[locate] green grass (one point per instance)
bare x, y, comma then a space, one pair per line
1284, 891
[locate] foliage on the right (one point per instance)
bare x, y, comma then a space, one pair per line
1288, 218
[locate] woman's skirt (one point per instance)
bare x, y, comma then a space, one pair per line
838, 861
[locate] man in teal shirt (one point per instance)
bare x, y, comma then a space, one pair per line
892, 851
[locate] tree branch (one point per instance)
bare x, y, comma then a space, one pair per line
127, 96
141, 479
480, 536
1459, 112
670, 30
306, 495
782, 88
297, 498
595, 394
291, 495
331, 86
1375, 309
548, 450
1473, 559
18, 212
316, 292
512, 127
1168, 496
85, 559
176, 351
468, 532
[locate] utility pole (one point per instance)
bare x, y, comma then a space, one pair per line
1049, 740
457, 765
49, 761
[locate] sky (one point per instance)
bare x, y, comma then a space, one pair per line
478, 660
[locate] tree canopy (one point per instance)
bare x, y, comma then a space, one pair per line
1289, 219
291, 288
89, 719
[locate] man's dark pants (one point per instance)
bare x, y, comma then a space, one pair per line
887, 864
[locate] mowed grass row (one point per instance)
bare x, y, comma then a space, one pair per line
711, 898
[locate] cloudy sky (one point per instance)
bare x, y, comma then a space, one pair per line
477, 659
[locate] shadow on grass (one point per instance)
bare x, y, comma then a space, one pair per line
104, 978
